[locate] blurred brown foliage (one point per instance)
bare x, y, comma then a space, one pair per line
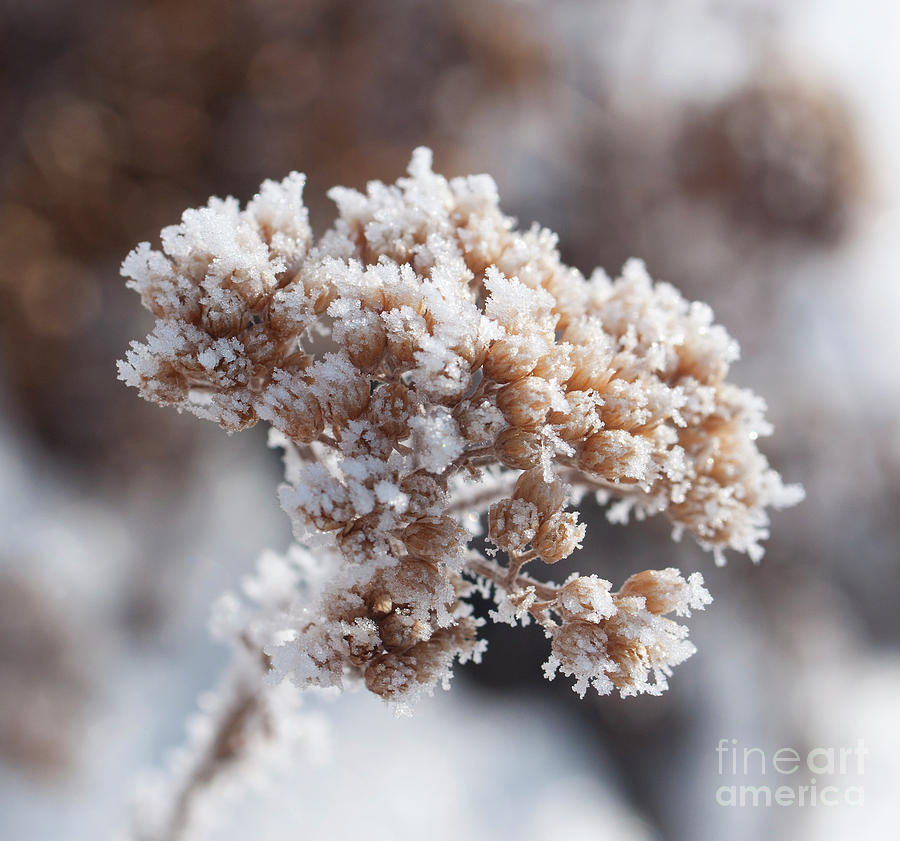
42, 686
127, 112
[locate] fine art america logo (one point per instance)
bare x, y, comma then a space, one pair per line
820, 776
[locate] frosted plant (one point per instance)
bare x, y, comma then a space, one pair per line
422, 363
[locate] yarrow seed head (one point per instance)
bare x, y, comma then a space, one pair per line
424, 361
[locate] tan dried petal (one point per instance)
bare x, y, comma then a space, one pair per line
389, 409
580, 646
591, 367
632, 660
299, 416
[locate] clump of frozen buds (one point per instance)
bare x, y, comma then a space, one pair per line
422, 363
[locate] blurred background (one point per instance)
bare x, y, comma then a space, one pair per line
748, 151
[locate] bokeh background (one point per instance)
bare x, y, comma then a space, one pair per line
748, 151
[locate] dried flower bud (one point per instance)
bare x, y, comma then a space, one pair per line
345, 400
586, 597
519, 449
391, 675
643, 645
474, 349
406, 329
632, 662
512, 358
580, 420
234, 410
389, 409
512, 524
395, 675
434, 538
665, 590
526, 402
579, 650
556, 364
559, 536
362, 640
359, 538
548, 497
426, 495
442, 585
618, 456
591, 365
480, 422
289, 405
411, 582
365, 346
400, 631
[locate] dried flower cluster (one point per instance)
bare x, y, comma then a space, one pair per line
422, 361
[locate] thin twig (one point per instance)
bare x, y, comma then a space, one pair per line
485, 568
